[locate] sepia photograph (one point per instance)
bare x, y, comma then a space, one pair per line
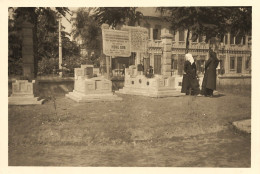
130, 86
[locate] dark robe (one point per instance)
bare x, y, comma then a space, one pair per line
209, 79
189, 80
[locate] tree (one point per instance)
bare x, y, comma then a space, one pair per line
208, 21
240, 20
87, 29
114, 16
35, 16
14, 46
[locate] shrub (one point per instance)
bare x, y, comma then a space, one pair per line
48, 66
15, 66
70, 63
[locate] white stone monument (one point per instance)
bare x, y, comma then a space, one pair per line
88, 88
157, 86
23, 93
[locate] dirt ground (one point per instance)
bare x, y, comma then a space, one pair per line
138, 131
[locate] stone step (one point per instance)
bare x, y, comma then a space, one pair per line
150, 93
92, 97
24, 101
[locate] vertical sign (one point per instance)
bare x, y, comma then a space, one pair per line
116, 43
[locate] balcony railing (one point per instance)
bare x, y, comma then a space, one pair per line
198, 45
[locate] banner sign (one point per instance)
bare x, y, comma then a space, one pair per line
138, 38
116, 43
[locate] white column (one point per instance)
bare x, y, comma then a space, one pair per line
151, 33
228, 39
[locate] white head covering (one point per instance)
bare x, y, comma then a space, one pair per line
189, 57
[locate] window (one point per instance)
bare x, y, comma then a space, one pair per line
244, 40
223, 39
248, 63
181, 36
221, 65
157, 64
239, 64
238, 40
157, 32
232, 63
146, 64
173, 32
174, 62
193, 38
201, 66
201, 38
232, 39
226, 39
180, 63
175, 67
249, 40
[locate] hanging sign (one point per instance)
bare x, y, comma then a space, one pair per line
116, 43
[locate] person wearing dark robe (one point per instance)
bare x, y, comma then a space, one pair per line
185, 88
209, 79
123, 72
190, 84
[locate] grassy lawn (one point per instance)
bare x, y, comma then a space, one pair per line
137, 131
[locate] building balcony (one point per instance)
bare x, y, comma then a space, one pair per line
155, 43
199, 45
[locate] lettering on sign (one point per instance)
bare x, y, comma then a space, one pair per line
116, 43
138, 38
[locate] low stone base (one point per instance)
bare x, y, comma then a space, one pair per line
20, 100
79, 97
243, 125
166, 92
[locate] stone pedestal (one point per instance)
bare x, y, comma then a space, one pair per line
167, 54
23, 93
158, 86
88, 88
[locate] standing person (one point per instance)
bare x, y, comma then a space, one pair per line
190, 84
123, 72
209, 79
185, 88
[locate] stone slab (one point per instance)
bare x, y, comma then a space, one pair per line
15, 100
79, 97
243, 125
151, 93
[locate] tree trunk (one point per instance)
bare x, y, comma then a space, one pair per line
187, 41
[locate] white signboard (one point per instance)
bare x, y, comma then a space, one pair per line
116, 43
138, 38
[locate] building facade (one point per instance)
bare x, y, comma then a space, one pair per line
166, 50
234, 53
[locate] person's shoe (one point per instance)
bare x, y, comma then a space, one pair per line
199, 95
211, 96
